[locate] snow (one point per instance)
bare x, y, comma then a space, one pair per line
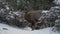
12, 16
45, 11
18, 13
57, 2
57, 7
7, 7
13, 30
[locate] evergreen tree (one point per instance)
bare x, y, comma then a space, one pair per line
30, 4
57, 23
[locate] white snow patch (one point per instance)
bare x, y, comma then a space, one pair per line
57, 7
45, 11
1, 9
12, 30
12, 16
16, 13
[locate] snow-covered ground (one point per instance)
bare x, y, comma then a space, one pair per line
5, 29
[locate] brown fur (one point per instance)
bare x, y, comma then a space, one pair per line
33, 17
